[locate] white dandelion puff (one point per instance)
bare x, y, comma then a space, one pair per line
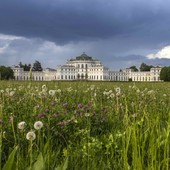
30, 136
38, 125
21, 125
52, 92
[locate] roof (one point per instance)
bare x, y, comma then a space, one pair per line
83, 57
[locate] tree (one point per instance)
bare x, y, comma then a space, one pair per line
165, 74
6, 73
145, 67
26, 67
37, 66
134, 68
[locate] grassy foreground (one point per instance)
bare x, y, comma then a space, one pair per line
84, 125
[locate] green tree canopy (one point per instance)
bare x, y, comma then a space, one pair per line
145, 67
165, 74
26, 67
134, 68
37, 66
6, 73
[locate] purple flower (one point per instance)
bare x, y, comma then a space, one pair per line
62, 123
41, 115
65, 104
55, 115
80, 105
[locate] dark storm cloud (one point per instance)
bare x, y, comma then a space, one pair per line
64, 21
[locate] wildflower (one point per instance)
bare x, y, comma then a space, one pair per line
65, 104
138, 91
46, 110
55, 115
112, 95
58, 90
30, 136
21, 125
44, 86
151, 92
52, 92
11, 93
41, 115
2, 91
80, 105
38, 125
117, 89
11, 118
87, 115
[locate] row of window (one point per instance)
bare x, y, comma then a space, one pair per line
36, 78
71, 77
145, 78
73, 70
117, 78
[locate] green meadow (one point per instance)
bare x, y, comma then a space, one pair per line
84, 125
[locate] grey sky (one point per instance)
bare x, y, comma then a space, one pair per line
121, 33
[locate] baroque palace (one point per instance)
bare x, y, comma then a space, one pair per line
85, 67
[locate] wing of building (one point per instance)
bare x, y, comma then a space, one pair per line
85, 67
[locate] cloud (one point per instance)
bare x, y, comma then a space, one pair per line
163, 53
65, 21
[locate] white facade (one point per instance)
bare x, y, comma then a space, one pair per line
45, 75
84, 67
130, 75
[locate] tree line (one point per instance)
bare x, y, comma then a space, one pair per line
6, 73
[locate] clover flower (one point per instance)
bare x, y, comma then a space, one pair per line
21, 125
41, 115
30, 136
38, 125
80, 105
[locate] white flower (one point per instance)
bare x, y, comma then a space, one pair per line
21, 125
38, 125
30, 135
138, 91
164, 95
112, 95
43, 86
117, 89
87, 115
58, 90
11, 93
52, 92
2, 91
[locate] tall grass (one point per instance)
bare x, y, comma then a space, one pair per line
85, 125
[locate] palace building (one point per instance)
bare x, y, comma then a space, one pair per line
85, 67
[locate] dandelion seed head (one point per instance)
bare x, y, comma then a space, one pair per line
21, 125
38, 125
52, 92
30, 136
